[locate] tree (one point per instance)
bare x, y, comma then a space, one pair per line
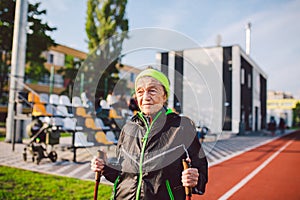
105, 19
37, 41
69, 72
7, 13
296, 115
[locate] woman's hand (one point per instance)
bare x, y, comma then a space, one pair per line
189, 177
97, 164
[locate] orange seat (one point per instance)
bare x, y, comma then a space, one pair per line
113, 114
39, 110
101, 138
33, 98
90, 123
80, 111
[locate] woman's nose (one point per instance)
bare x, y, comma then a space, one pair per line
146, 95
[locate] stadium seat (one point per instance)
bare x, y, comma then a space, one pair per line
62, 111
33, 98
80, 111
64, 100
101, 138
113, 114
111, 137
44, 98
51, 109
58, 121
54, 99
90, 123
100, 124
81, 140
70, 124
76, 102
104, 104
40, 110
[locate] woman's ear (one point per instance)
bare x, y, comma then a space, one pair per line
165, 97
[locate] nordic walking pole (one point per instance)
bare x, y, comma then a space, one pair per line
98, 176
188, 190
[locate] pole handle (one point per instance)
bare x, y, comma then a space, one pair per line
101, 155
186, 165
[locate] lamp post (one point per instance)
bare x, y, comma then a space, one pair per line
51, 80
17, 70
81, 83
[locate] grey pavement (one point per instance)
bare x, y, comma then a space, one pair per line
218, 148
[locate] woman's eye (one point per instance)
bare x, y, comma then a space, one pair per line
140, 92
152, 91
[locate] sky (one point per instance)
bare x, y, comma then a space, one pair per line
275, 30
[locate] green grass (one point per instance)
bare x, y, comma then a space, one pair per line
65, 134
2, 135
22, 184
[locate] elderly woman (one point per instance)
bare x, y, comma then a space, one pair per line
152, 146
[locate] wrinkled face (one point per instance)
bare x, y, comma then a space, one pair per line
150, 95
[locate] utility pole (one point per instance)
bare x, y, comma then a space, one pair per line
17, 71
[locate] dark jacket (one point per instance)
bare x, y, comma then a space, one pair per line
160, 147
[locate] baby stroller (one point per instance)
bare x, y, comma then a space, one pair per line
42, 135
202, 132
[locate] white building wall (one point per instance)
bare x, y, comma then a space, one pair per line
236, 88
203, 87
171, 76
58, 58
256, 98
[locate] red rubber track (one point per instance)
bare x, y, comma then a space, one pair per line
279, 179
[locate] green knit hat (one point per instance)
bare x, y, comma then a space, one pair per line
156, 75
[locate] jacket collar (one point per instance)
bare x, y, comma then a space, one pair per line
158, 124
164, 112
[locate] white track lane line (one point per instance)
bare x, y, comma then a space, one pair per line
253, 173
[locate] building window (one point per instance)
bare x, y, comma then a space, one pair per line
132, 77
242, 76
50, 58
58, 80
257, 88
249, 80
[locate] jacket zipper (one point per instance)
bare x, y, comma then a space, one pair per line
115, 188
144, 139
169, 190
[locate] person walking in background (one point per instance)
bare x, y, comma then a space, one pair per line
281, 125
133, 105
85, 98
272, 125
111, 99
152, 146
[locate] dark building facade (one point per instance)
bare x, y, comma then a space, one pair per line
219, 87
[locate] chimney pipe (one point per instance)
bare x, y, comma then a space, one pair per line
248, 34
